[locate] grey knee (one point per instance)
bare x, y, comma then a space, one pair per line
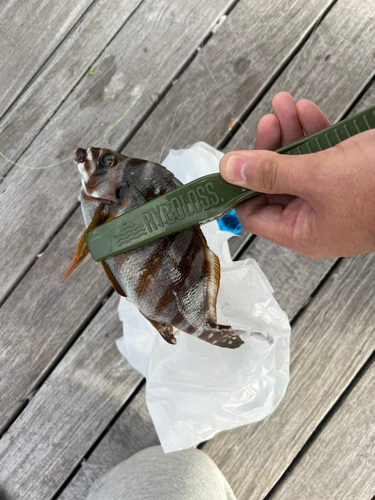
153, 475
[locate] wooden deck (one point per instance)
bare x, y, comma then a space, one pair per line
71, 407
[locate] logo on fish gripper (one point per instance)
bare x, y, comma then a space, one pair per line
129, 231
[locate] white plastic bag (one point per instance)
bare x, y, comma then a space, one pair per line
195, 389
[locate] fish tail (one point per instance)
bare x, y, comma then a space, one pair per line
222, 336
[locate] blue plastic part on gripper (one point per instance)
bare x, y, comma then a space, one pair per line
230, 223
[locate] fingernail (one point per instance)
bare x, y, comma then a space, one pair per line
234, 168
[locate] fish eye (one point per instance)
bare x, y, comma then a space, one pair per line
108, 161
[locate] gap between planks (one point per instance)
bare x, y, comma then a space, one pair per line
91, 450
40, 69
247, 112
322, 424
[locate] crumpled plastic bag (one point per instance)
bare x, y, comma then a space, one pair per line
194, 389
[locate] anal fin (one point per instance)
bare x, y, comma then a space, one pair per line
164, 330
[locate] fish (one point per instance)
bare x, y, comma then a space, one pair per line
174, 281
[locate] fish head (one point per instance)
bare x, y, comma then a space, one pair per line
102, 173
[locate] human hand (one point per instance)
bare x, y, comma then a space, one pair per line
320, 204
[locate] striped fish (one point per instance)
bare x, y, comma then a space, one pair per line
174, 281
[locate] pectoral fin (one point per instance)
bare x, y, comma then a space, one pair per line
82, 249
113, 280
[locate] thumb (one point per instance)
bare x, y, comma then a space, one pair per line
267, 172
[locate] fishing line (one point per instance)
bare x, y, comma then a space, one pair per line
117, 122
302, 51
173, 121
94, 69
34, 168
236, 120
166, 57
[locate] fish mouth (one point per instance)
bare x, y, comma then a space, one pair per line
80, 155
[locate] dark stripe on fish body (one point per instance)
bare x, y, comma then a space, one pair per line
186, 259
180, 322
153, 265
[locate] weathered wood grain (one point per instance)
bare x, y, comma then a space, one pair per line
133, 432
45, 197
318, 72
293, 276
58, 76
228, 74
68, 413
367, 100
42, 315
330, 343
29, 32
340, 463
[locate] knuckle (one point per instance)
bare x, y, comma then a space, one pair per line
267, 175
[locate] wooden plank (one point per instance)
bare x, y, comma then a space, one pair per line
41, 316
293, 276
94, 104
330, 343
30, 33
228, 74
318, 72
68, 413
59, 75
133, 432
367, 100
340, 463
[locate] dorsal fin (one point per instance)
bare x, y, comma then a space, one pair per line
213, 274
